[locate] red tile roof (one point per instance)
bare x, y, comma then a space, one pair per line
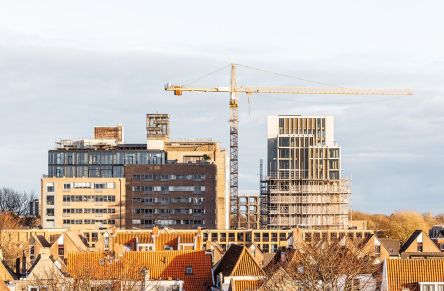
161, 265
406, 273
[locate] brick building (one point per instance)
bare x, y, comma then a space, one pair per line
176, 195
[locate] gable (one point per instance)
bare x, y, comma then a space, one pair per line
417, 238
44, 268
247, 266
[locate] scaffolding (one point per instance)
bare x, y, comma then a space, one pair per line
318, 204
248, 211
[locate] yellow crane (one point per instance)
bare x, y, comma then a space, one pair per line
234, 91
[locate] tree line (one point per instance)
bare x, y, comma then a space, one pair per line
401, 224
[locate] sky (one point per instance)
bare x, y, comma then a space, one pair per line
66, 66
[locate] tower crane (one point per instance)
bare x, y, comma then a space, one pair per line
234, 90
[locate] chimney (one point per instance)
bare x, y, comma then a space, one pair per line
17, 266
23, 263
155, 230
282, 257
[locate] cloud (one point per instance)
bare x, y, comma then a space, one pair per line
58, 81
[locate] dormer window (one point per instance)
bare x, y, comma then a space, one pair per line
189, 270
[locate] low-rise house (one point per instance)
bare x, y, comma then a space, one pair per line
237, 264
193, 268
419, 245
68, 242
413, 275
380, 248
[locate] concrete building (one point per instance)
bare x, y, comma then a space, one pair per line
107, 156
82, 202
304, 183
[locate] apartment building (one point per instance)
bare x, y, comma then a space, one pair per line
82, 202
304, 183
174, 195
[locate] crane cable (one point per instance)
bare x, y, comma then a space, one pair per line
288, 76
204, 76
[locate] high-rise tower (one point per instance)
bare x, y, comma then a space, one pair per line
304, 183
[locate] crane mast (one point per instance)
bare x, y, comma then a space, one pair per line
234, 91
234, 146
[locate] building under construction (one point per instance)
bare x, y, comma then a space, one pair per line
304, 187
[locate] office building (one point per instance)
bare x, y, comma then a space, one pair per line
304, 183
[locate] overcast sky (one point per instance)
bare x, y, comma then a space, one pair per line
66, 66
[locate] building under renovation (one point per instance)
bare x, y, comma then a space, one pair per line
304, 187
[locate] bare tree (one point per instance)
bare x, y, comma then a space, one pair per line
14, 201
324, 266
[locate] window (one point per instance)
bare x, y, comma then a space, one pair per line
50, 200
67, 186
99, 185
32, 252
49, 187
419, 247
377, 250
50, 212
60, 250
189, 270
106, 242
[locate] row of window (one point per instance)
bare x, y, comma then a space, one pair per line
105, 157
89, 221
168, 188
81, 185
152, 177
165, 222
87, 185
86, 171
168, 211
168, 200
89, 198
89, 210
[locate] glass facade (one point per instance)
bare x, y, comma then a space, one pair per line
98, 163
